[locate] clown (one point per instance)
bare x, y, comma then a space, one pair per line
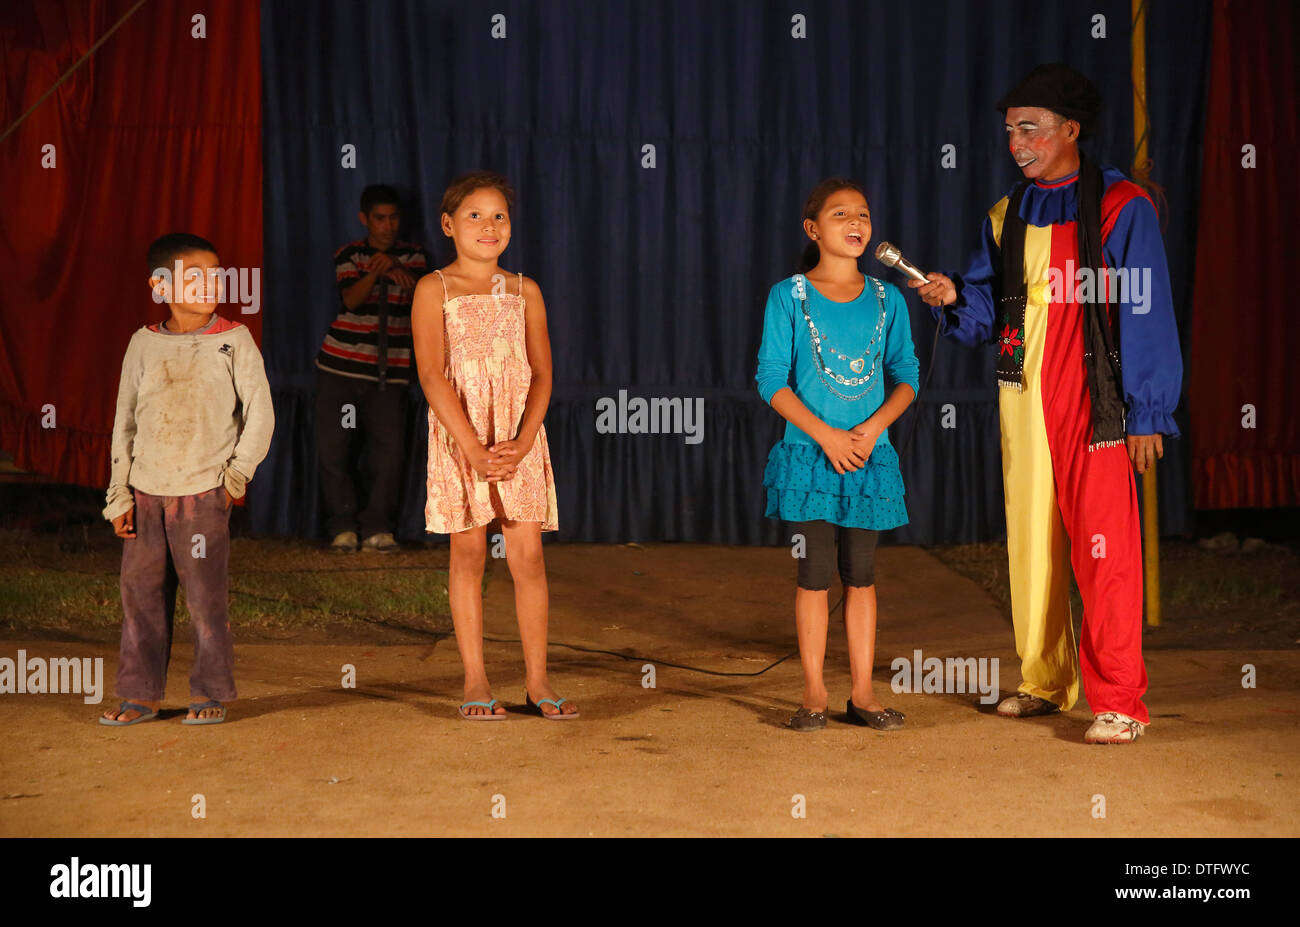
1070, 281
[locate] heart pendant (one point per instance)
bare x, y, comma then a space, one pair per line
857, 365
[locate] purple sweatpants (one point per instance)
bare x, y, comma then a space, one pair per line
183, 539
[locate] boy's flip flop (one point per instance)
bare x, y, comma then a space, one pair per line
146, 714
200, 706
557, 716
490, 706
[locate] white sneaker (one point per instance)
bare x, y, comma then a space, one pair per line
1024, 705
384, 542
345, 542
1111, 727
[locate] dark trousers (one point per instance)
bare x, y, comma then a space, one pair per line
378, 417
853, 550
181, 540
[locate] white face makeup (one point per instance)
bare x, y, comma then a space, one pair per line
1040, 142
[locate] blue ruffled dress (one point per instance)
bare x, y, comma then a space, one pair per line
866, 349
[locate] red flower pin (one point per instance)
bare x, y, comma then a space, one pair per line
1009, 340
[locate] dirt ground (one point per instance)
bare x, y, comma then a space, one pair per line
695, 755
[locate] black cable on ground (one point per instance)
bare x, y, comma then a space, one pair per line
439, 635
658, 662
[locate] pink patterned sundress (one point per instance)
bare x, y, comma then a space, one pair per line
485, 357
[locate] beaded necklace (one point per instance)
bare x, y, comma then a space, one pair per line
856, 364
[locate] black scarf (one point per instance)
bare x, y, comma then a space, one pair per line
1100, 328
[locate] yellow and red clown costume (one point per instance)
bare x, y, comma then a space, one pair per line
1071, 500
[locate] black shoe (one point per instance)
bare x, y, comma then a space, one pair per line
805, 719
887, 720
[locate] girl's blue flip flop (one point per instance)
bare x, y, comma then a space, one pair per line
146, 714
490, 706
557, 716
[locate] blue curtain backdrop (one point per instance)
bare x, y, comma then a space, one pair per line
655, 277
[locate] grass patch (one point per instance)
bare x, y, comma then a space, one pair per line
1194, 583
413, 597
34, 598
68, 582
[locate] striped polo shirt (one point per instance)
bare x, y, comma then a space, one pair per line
373, 341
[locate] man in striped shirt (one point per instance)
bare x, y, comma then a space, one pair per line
365, 366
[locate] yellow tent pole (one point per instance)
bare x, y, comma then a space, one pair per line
1141, 169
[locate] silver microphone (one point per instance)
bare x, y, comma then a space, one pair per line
890, 256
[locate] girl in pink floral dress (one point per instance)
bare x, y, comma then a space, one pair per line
484, 360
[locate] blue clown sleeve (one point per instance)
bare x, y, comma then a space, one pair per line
1150, 358
970, 319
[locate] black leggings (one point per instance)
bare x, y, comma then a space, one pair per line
857, 555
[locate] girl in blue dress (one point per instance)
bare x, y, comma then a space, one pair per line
837, 363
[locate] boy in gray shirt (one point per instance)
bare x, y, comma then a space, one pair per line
193, 421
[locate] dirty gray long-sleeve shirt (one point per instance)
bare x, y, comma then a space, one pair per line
193, 413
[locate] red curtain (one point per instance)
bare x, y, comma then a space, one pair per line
1245, 330
158, 131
